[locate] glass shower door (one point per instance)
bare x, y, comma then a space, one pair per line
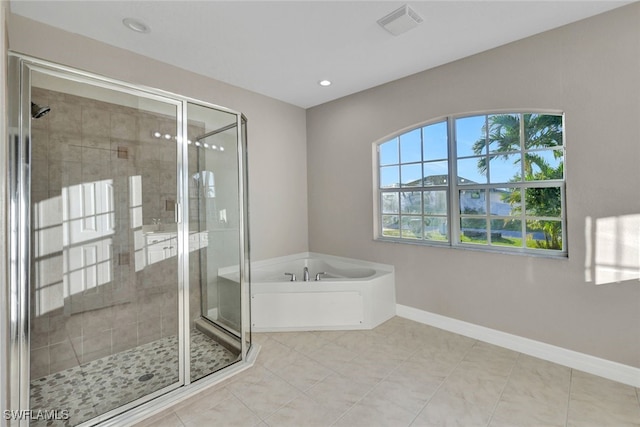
214, 220
104, 300
128, 245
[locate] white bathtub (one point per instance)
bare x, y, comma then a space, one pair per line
354, 294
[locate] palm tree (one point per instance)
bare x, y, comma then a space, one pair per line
540, 132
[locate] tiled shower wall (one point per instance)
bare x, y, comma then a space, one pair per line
81, 141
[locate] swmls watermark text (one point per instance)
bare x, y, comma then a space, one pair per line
40, 414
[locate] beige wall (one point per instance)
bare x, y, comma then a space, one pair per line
277, 149
591, 71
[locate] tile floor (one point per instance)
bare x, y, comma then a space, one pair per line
402, 374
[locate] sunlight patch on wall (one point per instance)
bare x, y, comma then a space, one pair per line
612, 249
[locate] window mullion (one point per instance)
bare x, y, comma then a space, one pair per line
523, 208
523, 219
422, 186
487, 158
378, 203
487, 191
454, 209
563, 219
380, 226
522, 149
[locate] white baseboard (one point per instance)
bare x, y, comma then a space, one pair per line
605, 368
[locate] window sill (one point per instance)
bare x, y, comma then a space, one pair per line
475, 248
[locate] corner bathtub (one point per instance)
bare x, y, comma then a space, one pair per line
354, 294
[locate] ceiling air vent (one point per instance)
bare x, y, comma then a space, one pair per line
400, 20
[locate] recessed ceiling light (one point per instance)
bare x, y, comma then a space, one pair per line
324, 83
136, 25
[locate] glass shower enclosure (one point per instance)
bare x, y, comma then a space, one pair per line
128, 241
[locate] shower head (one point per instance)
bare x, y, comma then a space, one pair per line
38, 111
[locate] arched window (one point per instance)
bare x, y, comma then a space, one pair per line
492, 181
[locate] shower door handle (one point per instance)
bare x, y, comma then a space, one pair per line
178, 213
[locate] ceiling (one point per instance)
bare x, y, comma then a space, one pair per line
283, 49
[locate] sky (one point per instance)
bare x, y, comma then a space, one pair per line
429, 144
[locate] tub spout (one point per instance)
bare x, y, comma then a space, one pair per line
306, 274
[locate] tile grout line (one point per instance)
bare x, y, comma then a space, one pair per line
333, 373
285, 403
513, 367
417, 349
566, 419
271, 371
444, 380
178, 417
374, 385
262, 420
82, 370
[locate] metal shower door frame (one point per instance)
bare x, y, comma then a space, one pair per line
18, 236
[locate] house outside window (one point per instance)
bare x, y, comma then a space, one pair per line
491, 181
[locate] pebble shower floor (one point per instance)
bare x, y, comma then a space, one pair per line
94, 388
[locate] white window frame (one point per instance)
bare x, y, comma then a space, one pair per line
453, 188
